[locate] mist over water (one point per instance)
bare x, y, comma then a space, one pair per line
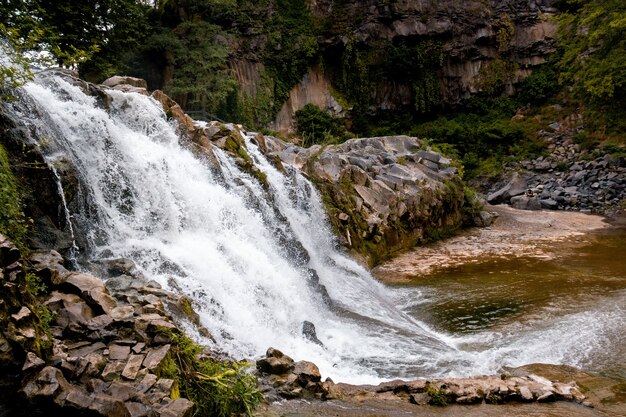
246, 255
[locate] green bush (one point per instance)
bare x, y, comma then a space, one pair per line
216, 388
317, 126
540, 86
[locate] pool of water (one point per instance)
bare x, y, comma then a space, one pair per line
568, 310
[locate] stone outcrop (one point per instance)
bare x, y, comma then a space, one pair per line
467, 391
86, 346
382, 194
282, 378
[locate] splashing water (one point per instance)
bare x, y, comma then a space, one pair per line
250, 257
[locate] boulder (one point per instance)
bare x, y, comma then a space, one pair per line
525, 202
308, 331
516, 186
275, 363
384, 194
48, 265
91, 289
48, 383
307, 372
180, 407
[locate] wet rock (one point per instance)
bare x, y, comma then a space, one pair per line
526, 394
49, 265
549, 204
377, 184
154, 357
119, 353
48, 383
275, 363
307, 372
78, 399
108, 406
23, 314
133, 366
308, 330
525, 202
32, 363
113, 370
178, 408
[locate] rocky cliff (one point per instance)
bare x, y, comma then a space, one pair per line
451, 51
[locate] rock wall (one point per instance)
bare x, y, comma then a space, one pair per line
315, 88
473, 34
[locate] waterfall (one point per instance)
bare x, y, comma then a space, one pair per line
255, 261
247, 261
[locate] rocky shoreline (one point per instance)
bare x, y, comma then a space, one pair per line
87, 345
570, 177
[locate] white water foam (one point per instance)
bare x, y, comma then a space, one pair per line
233, 248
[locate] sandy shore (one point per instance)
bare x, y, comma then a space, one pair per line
516, 233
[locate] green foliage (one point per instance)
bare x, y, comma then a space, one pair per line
58, 27
216, 388
540, 86
13, 222
34, 285
505, 32
415, 63
317, 126
291, 46
201, 76
472, 205
493, 76
437, 396
593, 37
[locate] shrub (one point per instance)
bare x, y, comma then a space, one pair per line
316, 126
217, 388
540, 86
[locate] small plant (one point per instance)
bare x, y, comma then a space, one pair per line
437, 396
216, 388
34, 285
317, 126
562, 166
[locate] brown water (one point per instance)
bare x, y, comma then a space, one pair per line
568, 310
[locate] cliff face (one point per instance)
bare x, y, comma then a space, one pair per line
473, 46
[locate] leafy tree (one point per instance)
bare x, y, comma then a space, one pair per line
316, 126
93, 34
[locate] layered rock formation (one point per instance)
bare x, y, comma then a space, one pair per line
281, 378
479, 40
382, 194
83, 346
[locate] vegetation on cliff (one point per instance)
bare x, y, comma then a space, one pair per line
13, 223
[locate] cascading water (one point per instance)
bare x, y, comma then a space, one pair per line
245, 259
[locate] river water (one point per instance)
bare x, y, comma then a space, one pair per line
245, 255
569, 308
